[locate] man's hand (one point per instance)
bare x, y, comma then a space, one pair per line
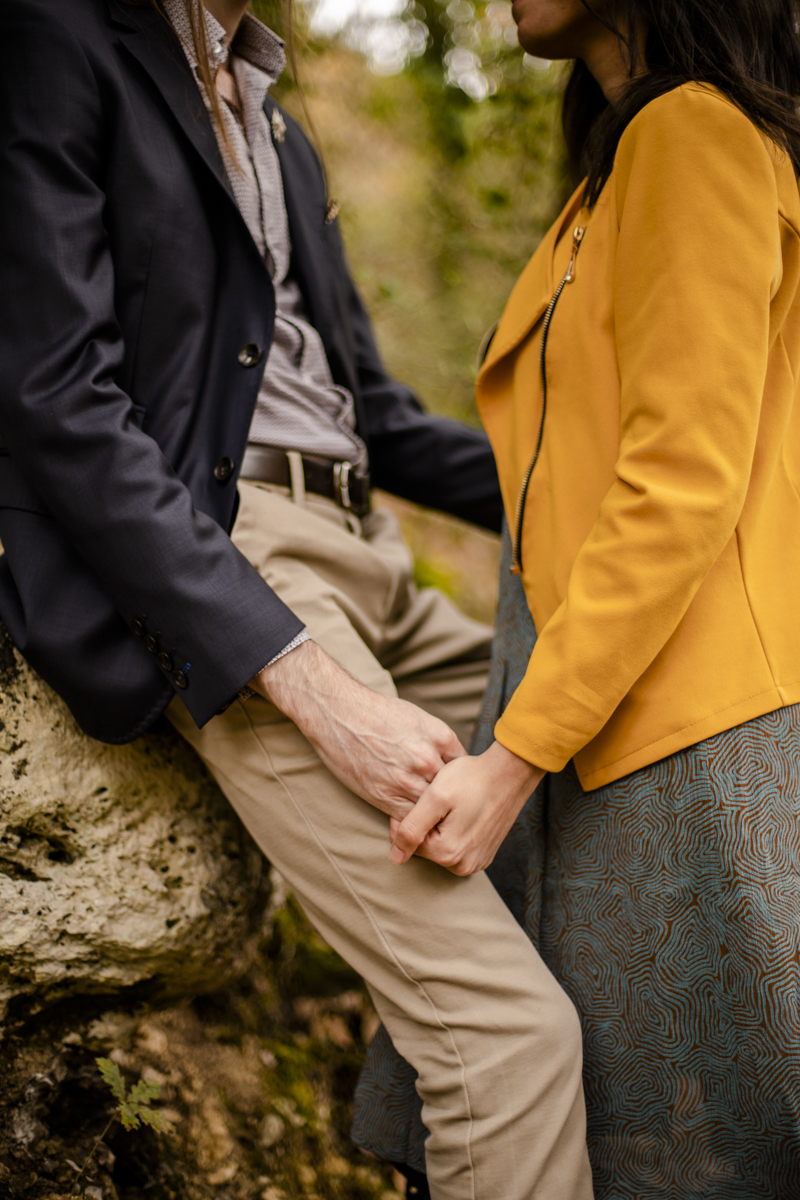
461, 819
384, 749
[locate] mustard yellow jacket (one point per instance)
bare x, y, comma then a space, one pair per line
660, 530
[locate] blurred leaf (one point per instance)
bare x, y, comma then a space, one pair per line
426, 575
128, 1115
143, 1092
156, 1120
113, 1077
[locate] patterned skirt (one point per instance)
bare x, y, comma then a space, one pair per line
668, 906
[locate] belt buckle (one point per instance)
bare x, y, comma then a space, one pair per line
341, 484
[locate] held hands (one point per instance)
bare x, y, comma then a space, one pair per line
463, 816
384, 749
444, 805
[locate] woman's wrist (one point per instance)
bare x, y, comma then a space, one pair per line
509, 770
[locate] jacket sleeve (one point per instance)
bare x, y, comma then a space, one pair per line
434, 461
67, 425
698, 261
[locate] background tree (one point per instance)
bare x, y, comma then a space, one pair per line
442, 143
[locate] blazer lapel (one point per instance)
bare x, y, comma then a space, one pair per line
305, 206
150, 39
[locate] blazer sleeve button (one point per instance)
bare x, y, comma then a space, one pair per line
151, 643
224, 469
180, 680
165, 661
138, 627
250, 354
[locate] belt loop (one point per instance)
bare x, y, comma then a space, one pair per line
297, 476
341, 483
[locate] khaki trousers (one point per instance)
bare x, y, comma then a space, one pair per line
463, 993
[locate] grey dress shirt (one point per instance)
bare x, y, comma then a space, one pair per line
299, 407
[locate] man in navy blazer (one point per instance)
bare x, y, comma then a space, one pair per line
130, 286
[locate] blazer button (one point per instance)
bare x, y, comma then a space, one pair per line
224, 469
165, 661
250, 355
180, 680
151, 643
138, 627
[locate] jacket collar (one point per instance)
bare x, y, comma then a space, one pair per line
161, 55
151, 40
526, 304
253, 41
532, 292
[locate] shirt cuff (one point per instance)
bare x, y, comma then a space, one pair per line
302, 636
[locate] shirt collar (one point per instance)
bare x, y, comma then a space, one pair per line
253, 41
260, 46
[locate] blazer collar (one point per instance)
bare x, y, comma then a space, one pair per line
151, 40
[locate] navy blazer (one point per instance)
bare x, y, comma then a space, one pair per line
130, 285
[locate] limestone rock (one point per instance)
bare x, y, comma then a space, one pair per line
124, 873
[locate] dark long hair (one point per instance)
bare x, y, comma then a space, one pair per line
748, 49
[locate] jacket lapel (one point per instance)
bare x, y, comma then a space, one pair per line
532, 292
150, 39
525, 306
305, 206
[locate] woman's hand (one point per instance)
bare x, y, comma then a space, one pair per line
462, 817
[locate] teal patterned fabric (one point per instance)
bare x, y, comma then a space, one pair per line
668, 906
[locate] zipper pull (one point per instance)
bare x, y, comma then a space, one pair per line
577, 238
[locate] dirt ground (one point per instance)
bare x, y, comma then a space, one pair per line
256, 1080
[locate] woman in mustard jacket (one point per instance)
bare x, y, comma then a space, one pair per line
641, 395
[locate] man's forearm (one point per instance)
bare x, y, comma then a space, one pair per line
306, 685
382, 748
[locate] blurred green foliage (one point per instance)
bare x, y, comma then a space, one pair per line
445, 194
428, 574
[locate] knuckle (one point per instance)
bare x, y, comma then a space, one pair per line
409, 784
426, 760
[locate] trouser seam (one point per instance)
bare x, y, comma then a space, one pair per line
370, 917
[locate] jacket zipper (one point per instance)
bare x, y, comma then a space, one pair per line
516, 558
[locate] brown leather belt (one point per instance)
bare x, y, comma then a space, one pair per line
336, 481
